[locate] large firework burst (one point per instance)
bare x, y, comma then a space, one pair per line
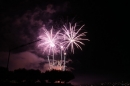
72, 36
49, 40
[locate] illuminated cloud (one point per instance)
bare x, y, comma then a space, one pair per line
22, 60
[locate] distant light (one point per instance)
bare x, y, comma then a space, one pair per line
52, 44
72, 40
61, 47
64, 53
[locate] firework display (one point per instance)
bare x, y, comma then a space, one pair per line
53, 42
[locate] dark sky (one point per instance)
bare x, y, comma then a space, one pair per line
105, 55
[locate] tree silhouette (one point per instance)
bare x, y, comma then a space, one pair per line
67, 76
29, 76
50, 76
20, 75
57, 75
42, 77
3, 74
32, 75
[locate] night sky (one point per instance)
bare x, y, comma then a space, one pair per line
104, 58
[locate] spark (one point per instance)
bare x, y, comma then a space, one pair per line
72, 36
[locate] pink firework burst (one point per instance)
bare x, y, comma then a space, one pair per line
72, 36
49, 40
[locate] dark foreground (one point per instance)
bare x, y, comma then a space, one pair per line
34, 84
57, 84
